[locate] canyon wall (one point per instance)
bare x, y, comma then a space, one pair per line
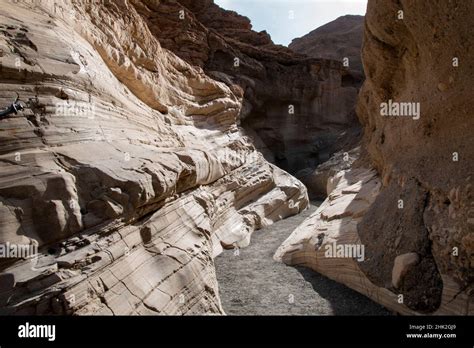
128, 171
409, 199
337, 40
295, 108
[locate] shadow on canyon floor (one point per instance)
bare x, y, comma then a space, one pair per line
252, 283
343, 300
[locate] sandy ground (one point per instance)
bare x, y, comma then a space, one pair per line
252, 283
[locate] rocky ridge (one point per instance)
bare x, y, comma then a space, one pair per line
339, 39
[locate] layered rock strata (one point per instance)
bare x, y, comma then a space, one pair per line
294, 107
128, 171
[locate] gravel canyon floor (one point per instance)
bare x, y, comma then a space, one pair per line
252, 283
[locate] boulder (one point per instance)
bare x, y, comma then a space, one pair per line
401, 266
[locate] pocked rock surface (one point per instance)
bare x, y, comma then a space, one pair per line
411, 191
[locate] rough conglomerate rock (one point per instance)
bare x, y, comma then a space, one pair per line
416, 52
128, 170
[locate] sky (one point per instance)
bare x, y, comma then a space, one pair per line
286, 20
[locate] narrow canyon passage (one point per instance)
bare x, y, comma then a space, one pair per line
252, 283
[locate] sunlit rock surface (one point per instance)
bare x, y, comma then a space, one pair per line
129, 171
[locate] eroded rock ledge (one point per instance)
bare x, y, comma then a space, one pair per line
129, 172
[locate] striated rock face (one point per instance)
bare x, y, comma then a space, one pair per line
289, 104
128, 171
422, 203
339, 39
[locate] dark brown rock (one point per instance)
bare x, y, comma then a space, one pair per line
419, 198
405, 60
339, 39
